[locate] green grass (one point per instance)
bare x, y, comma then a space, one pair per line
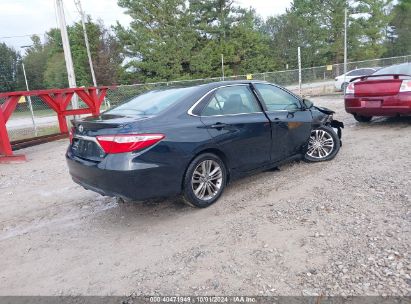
37, 113
29, 132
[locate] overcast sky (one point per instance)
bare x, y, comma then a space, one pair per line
27, 17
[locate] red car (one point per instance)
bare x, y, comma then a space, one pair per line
387, 92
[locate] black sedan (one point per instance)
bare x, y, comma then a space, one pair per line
194, 140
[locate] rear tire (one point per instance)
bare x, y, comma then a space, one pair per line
344, 86
361, 118
204, 181
323, 145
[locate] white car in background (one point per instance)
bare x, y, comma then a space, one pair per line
341, 82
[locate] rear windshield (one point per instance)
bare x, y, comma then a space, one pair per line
151, 102
404, 68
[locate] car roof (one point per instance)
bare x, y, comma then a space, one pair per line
367, 68
205, 87
228, 82
212, 85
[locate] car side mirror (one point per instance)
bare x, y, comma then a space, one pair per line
308, 104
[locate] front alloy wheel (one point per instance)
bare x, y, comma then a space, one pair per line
204, 181
323, 145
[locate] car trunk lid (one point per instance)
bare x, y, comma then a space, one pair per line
84, 143
381, 86
103, 124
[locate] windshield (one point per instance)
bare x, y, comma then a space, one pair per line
404, 68
151, 102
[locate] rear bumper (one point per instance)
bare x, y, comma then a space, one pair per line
136, 181
399, 104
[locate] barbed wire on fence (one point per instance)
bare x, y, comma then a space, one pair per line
316, 81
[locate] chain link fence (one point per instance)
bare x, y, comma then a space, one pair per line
32, 118
316, 81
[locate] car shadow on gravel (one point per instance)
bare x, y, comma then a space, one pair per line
400, 121
141, 215
158, 212
166, 207
162, 210
157, 205
154, 208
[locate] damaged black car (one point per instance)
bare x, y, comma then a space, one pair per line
193, 141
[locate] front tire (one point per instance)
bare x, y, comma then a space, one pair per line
361, 118
323, 145
204, 181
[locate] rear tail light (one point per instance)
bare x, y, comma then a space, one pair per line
405, 86
350, 88
71, 134
122, 143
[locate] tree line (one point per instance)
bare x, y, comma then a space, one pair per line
179, 39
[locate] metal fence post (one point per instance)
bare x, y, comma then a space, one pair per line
29, 100
299, 70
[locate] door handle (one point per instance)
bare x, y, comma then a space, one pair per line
218, 126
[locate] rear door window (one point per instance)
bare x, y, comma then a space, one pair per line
232, 100
213, 108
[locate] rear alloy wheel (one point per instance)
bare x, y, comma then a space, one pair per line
323, 145
204, 181
361, 118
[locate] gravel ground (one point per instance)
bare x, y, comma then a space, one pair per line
335, 228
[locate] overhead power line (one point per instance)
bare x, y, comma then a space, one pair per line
18, 36
83, 22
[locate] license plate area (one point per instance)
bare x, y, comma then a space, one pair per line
87, 149
371, 103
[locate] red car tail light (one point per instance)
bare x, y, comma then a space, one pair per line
350, 88
122, 143
405, 86
71, 134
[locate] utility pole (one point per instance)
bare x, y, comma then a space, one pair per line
299, 71
67, 50
222, 65
345, 46
345, 42
83, 22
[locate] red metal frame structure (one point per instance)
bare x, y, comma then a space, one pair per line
56, 99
